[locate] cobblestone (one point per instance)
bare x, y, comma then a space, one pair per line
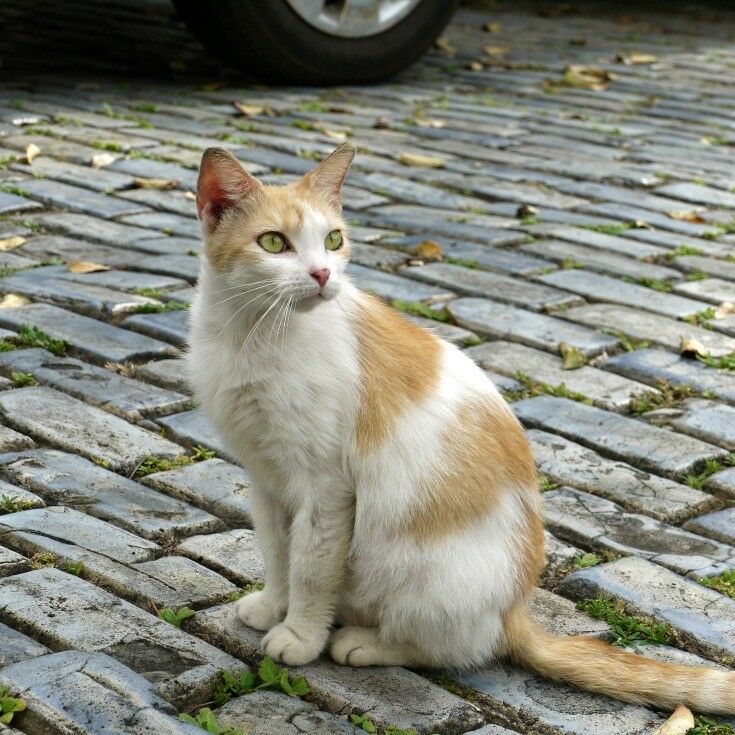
599, 218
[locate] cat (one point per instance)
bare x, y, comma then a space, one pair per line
393, 489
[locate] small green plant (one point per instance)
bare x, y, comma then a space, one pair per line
13, 189
532, 388
628, 343
145, 107
15, 504
162, 308
726, 362
665, 396
162, 464
363, 722
710, 467
101, 462
701, 317
107, 145
175, 617
30, 336
9, 706
244, 590
74, 567
697, 276
420, 309
464, 262
683, 250
151, 293
627, 629
724, 583
472, 341
583, 561
546, 483
23, 379
269, 676
41, 560
395, 730
206, 719
617, 229
707, 726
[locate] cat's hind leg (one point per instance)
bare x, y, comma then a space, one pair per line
356, 646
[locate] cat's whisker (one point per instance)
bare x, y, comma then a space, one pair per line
239, 295
276, 320
241, 285
286, 317
257, 324
258, 296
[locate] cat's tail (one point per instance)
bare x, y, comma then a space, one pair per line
598, 667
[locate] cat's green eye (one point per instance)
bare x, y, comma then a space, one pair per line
333, 240
272, 242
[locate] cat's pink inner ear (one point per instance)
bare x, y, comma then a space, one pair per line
329, 176
222, 182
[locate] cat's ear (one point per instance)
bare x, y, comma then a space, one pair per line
222, 183
327, 178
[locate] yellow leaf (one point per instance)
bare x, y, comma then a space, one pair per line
32, 151
475, 65
10, 243
161, 184
333, 134
636, 57
587, 77
417, 159
426, 122
691, 346
443, 45
13, 299
495, 27
678, 724
85, 266
248, 110
726, 308
496, 50
100, 160
428, 250
190, 195
572, 357
687, 217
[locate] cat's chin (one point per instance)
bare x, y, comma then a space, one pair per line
311, 302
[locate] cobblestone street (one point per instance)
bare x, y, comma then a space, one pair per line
552, 191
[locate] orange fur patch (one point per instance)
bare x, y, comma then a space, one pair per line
489, 457
400, 366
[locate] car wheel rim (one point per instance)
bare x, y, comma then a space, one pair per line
353, 18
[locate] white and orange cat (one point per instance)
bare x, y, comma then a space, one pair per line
393, 489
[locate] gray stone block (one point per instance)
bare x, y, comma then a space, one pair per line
651, 365
704, 618
192, 428
500, 321
128, 398
719, 526
93, 228
603, 389
235, 554
94, 339
78, 693
604, 288
65, 612
67, 479
642, 492
171, 326
215, 485
15, 646
67, 423
713, 290
390, 286
172, 374
616, 436
593, 522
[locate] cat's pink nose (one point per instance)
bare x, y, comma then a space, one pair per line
320, 275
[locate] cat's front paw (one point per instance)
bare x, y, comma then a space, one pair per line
292, 646
259, 610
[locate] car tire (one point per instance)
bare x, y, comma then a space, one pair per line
268, 40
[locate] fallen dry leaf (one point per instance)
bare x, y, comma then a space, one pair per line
428, 250
13, 299
496, 50
190, 195
426, 122
248, 110
635, 57
333, 134
641, 224
475, 65
726, 308
382, 123
21, 122
526, 210
687, 217
572, 357
160, 184
417, 159
678, 724
32, 151
10, 243
100, 160
692, 346
494, 27
443, 45
587, 77
85, 266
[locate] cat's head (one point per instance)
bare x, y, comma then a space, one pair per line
288, 240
